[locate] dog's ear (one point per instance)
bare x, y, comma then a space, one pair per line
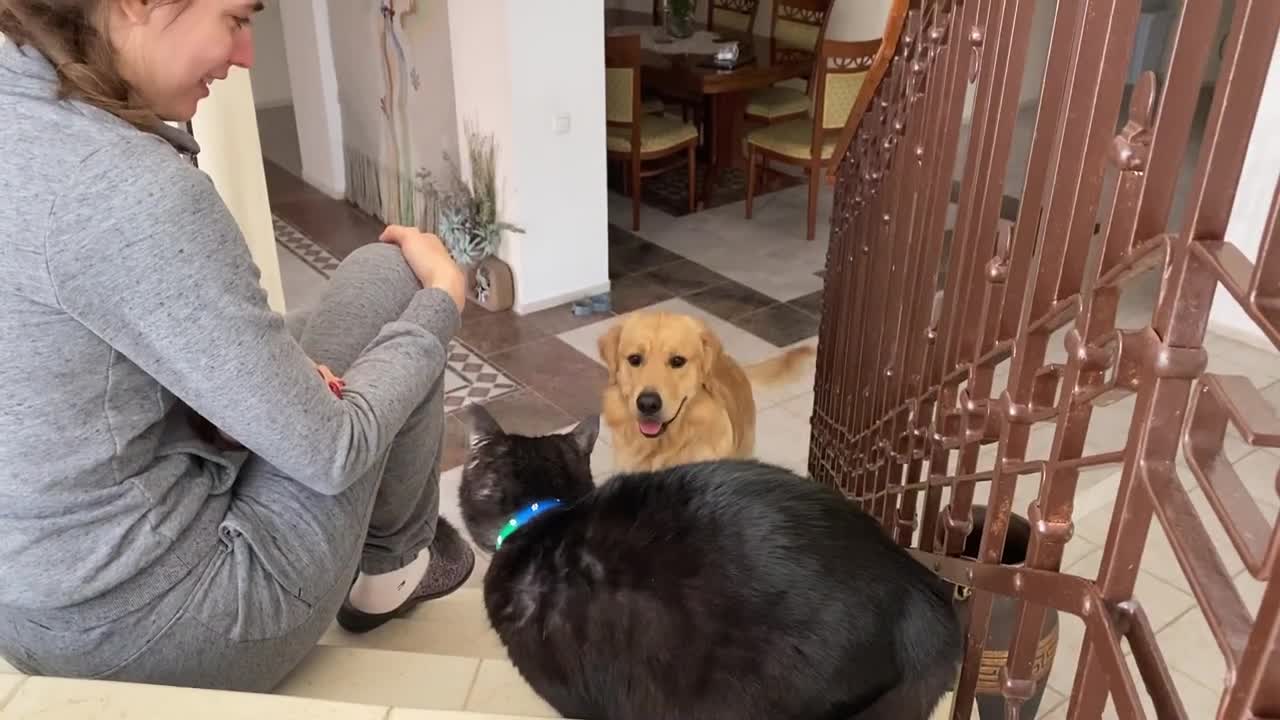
609, 346
483, 427
711, 350
586, 433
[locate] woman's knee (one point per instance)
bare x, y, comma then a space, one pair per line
370, 288
378, 262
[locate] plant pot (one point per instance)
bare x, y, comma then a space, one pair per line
1004, 614
679, 22
490, 285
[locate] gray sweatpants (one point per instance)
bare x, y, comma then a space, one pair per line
274, 580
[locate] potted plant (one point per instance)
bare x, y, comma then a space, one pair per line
678, 17
466, 219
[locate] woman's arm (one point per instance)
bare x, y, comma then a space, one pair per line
143, 251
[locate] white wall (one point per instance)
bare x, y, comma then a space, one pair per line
1257, 188
518, 66
227, 129
271, 69
310, 65
559, 70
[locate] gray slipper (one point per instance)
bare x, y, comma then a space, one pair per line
452, 562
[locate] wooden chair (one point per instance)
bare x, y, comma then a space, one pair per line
798, 28
736, 15
635, 137
810, 141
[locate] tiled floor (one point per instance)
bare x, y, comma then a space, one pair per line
758, 284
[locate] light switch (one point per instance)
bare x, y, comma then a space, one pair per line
562, 123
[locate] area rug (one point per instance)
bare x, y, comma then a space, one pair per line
669, 191
469, 377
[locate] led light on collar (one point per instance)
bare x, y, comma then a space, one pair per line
523, 517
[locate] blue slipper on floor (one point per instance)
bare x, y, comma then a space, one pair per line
594, 305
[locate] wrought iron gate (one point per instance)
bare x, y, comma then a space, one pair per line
920, 309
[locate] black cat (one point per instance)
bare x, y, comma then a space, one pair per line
729, 590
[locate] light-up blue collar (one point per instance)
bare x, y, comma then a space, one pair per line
522, 517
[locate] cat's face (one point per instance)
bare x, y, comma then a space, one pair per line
504, 472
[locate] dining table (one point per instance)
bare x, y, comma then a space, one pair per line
685, 68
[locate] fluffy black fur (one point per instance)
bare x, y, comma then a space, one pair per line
729, 590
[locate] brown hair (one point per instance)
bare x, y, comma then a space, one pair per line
71, 34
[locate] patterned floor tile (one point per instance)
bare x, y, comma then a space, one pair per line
811, 303
524, 412
561, 318
780, 324
559, 373
635, 292
635, 255
729, 300
472, 379
685, 276
293, 240
498, 332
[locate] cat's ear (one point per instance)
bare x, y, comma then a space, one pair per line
586, 433
483, 427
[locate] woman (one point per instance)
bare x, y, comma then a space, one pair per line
133, 546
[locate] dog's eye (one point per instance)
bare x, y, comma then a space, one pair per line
635, 360
677, 361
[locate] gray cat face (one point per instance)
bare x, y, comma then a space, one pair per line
504, 472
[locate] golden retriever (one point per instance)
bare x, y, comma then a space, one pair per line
675, 396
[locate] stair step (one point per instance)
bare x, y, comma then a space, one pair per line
414, 680
443, 656
453, 625
63, 699
383, 677
499, 688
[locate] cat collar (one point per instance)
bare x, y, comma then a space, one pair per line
522, 517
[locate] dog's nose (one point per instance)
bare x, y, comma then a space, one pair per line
649, 402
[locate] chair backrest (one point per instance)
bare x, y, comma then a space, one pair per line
622, 59
858, 19
736, 15
840, 70
797, 28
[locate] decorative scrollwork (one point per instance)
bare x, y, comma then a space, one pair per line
789, 55
746, 7
796, 13
850, 64
1130, 147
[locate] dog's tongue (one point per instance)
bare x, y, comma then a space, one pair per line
650, 427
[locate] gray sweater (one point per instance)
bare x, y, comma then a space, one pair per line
128, 298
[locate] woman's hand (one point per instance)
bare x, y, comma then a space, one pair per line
429, 260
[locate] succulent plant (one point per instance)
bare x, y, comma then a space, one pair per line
467, 212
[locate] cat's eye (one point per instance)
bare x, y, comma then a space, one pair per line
677, 361
635, 359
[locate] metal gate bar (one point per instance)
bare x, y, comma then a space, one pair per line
917, 318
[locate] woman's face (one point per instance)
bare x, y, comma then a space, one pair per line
171, 51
